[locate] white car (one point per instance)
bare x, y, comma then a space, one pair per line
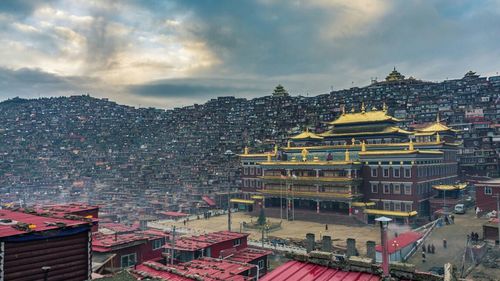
459, 209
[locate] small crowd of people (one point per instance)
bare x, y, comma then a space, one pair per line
473, 237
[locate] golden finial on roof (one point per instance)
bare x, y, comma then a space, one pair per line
245, 150
374, 108
438, 138
363, 109
410, 146
353, 141
384, 107
288, 144
275, 149
269, 157
437, 118
343, 109
363, 146
353, 110
347, 157
304, 154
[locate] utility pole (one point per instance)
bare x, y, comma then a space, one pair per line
498, 216
228, 208
173, 246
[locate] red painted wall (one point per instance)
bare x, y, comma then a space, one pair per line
486, 202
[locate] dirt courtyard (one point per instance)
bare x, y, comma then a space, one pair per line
289, 230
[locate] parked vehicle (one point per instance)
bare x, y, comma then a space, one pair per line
459, 209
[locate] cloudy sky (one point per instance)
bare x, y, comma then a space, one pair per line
171, 53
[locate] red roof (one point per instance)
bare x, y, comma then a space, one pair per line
41, 223
195, 243
107, 242
248, 255
208, 268
208, 200
173, 214
295, 270
118, 227
67, 208
400, 242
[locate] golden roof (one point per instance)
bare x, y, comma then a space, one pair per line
308, 163
362, 204
436, 127
448, 187
363, 117
386, 130
306, 135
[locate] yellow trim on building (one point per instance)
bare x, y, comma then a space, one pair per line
306, 135
385, 152
325, 179
362, 204
448, 187
258, 197
390, 213
242, 201
309, 163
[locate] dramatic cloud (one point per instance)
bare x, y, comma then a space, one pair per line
171, 53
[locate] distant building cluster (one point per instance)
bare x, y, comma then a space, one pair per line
93, 150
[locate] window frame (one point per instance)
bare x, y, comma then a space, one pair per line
127, 256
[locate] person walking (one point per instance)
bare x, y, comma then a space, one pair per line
423, 248
429, 249
445, 243
433, 249
326, 227
423, 257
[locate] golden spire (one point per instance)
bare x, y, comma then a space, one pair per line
246, 150
363, 109
343, 109
410, 146
269, 157
288, 144
353, 141
384, 107
275, 149
353, 110
438, 138
304, 154
437, 118
363, 146
347, 158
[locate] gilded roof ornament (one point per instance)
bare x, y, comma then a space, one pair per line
363, 146
438, 137
343, 109
246, 150
410, 146
347, 156
363, 109
304, 154
269, 157
384, 107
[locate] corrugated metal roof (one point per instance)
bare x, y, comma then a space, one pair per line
295, 271
403, 240
38, 223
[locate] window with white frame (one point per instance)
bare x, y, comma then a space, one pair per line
374, 187
157, 244
397, 206
488, 191
128, 260
397, 188
374, 172
395, 172
236, 242
261, 264
387, 206
407, 172
407, 189
387, 188
385, 172
408, 207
